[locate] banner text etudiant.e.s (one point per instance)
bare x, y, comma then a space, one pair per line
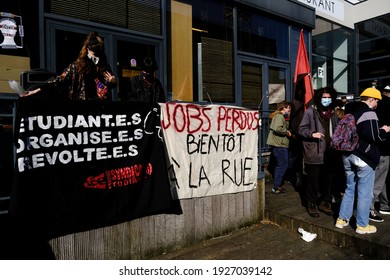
211, 149
82, 165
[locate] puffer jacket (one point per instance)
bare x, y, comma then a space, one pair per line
277, 136
313, 148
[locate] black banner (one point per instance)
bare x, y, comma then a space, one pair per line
82, 165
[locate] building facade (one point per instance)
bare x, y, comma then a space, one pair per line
349, 44
238, 52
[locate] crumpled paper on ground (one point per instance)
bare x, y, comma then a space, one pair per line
307, 236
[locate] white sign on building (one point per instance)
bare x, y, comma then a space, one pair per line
332, 8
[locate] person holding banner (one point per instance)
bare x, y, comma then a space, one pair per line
316, 130
278, 139
145, 87
89, 77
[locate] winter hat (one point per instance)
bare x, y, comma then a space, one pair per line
372, 92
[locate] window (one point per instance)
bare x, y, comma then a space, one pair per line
332, 57
262, 35
201, 44
120, 13
374, 58
252, 85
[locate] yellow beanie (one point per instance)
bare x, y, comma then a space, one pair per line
372, 92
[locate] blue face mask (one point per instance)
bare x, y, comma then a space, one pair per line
326, 101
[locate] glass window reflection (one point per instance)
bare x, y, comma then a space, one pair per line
262, 35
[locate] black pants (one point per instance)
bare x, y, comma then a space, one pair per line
318, 183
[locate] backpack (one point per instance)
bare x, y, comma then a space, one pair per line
345, 136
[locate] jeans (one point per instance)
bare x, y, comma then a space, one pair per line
380, 192
359, 176
281, 157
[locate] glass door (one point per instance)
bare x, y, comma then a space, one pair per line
130, 55
262, 85
252, 85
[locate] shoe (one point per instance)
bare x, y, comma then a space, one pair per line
375, 218
325, 208
365, 230
312, 210
340, 223
278, 191
384, 212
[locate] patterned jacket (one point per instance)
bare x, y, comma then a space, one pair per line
74, 86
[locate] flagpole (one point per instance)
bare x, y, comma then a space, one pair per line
314, 111
301, 44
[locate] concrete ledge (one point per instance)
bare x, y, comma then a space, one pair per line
341, 237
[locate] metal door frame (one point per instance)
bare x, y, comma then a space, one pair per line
264, 114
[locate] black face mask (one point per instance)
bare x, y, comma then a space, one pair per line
98, 53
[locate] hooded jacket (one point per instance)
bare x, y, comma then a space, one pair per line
370, 135
277, 136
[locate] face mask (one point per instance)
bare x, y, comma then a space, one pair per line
326, 101
94, 59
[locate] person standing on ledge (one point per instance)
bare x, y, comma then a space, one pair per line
145, 87
89, 77
316, 129
360, 164
381, 171
278, 139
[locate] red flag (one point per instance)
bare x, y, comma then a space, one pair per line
303, 87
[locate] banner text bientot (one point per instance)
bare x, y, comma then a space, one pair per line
211, 149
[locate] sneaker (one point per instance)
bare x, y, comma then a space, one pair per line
340, 223
278, 191
312, 210
365, 230
375, 218
384, 212
325, 208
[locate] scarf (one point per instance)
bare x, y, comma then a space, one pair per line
325, 114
